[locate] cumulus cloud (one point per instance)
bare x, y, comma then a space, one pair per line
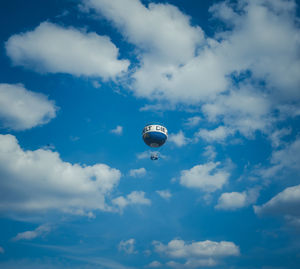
22, 109
165, 194
202, 253
118, 130
127, 246
36, 181
260, 42
237, 200
134, 198
178, 139
285, 203
29, 235
51, 48
206, 177
244, 110
140, 172
232, 200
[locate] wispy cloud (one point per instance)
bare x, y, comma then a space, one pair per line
128, 246
178, 139
38, 232
139, 172
165, 194
118, 130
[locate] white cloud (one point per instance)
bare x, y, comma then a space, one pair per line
203, 253
127, 246
193, 121
178, 139
143, 155
165, 194
29, 235
206, 177
48, 183
140, 172
152, 28
263, 39
237, 200
244, 110
277, 136
154, 264
118, 130
1, 250
52, 48
134, 198
22, 109
193, 263
231, 200
259, 44
285, 203
219, 134
283, 160
210, 152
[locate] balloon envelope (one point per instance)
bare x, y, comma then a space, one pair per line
155, 135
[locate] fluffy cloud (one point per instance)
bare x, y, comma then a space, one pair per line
285, 203
244, 110
165, 194
203, 253
152, 28
127, 246
51, 48
134, 198
29, 235
259, 44
118, 130
36, 181
178, 139
22, 109
140, 172
236, 200
206, 177
232, 200
263, 39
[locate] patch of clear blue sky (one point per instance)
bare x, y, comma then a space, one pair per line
81, 134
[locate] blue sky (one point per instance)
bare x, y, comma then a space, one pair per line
78, 82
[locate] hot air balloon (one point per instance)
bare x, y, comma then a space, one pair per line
155, 135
